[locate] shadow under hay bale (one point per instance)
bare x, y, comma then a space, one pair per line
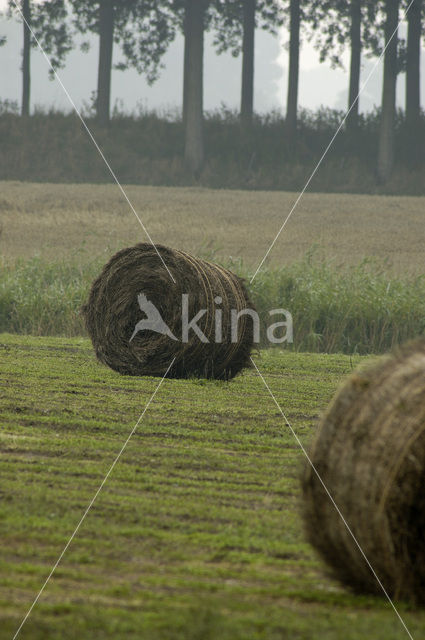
114, 309
370, 454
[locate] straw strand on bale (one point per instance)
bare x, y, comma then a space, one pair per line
370, 454
112, 312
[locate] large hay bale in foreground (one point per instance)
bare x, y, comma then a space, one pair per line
136, 277
370, 454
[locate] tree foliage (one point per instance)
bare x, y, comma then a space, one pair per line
50, 27
49, 21
142, 28
329, 24
226, 18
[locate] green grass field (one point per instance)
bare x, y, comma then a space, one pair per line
197, 532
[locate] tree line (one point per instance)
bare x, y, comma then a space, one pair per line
144, 29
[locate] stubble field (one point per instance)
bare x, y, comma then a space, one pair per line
61, 220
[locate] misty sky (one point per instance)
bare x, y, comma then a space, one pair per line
319, 84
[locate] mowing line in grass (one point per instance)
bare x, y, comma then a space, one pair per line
111, 468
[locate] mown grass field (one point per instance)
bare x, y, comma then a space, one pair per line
197, 532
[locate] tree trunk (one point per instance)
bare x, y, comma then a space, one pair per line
26, 58
294, 61
106, 42
413, 101
386, 134
247, 97
194, 36
356, 51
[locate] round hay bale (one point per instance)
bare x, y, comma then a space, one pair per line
370, 454
133, 281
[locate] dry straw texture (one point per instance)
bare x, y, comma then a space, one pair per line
112, 312
370, 454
